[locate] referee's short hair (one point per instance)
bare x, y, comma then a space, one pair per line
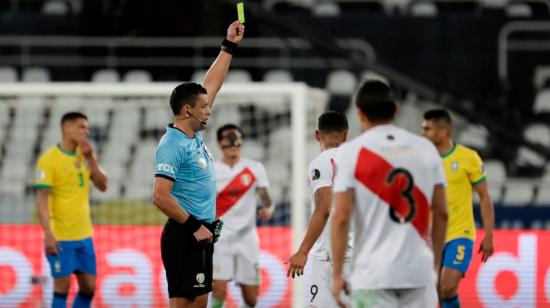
185, 94
375, 99
71, 116
332, 122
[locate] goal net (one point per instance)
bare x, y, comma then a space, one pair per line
126, 122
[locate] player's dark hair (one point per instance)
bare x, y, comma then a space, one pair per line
185, 94
439, 115
332, 122
374, 98
71, 116
222, 129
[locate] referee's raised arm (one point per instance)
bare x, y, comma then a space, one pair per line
218, 70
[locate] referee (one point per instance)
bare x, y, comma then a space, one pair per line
185, 185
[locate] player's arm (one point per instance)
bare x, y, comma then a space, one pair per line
439, 223
267, 209
163, 200
319, 218
98, 176
488, 218
339, 237
52, 246
218, 70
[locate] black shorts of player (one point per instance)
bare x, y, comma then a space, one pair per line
188, 263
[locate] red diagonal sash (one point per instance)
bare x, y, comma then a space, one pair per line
229, 196
373, 172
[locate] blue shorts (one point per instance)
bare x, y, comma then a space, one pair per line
457, 254
74, 257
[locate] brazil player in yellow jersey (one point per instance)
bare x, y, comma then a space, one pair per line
63, 180
464, 173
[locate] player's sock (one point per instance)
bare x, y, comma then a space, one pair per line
59, 300
83, 300
217, 303
451, 302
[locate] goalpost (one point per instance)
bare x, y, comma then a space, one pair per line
126, 121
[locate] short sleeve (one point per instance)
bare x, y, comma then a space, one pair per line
261, 176
476, 171
167, 161
344, 170
320, 174
44, 173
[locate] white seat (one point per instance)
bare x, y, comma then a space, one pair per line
538, 133
253, 150
528, 157
280, 144
278, 172
326, 9
542, 102
55, 7
518, 192
137, 76
36, 74
341, 82
423, 9
370, 75
518, 10
238, 76
278, 76
543, 194
474, 136
496, 171
8, 74
106, 76
198, 76
157, 117
542, 75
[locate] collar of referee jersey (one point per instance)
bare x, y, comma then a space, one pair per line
450, 152
171, 125
72, 154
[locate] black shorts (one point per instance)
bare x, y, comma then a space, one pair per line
188, 263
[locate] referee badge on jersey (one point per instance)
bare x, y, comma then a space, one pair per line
315, 174
455, 165
202, 162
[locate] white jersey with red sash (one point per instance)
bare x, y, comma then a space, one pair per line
237, 200
393, 174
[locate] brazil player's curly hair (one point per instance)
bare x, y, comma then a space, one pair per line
185, 94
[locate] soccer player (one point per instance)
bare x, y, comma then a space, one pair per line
185, 185
390, 180
239, 180
464, 173
332, 129
62, 196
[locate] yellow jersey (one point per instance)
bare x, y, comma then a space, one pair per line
463, 169
68, 178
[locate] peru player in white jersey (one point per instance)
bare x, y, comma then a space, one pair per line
239, 182
313, 258
389, 180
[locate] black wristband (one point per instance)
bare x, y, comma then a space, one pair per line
191, 224
229, 46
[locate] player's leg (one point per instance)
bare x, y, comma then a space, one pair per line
318, 287
85, 270
224, 266
247, 268
382, 298
456, 259
195, 302
61, 268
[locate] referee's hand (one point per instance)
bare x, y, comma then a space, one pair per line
235, 32
203, 234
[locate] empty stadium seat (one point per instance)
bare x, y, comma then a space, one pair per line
528, 157
238, 76
278, 76
8, 74
341, 82
106, 76
543, 193
542, 101
538, 133
370, 75
55, 7
326, 9
35, 74
474, 136
423, 9
518, 10
518, 192
198, 76
542, 76
137, 76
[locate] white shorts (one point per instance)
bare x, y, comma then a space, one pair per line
237, 258
318, 283
399, 298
